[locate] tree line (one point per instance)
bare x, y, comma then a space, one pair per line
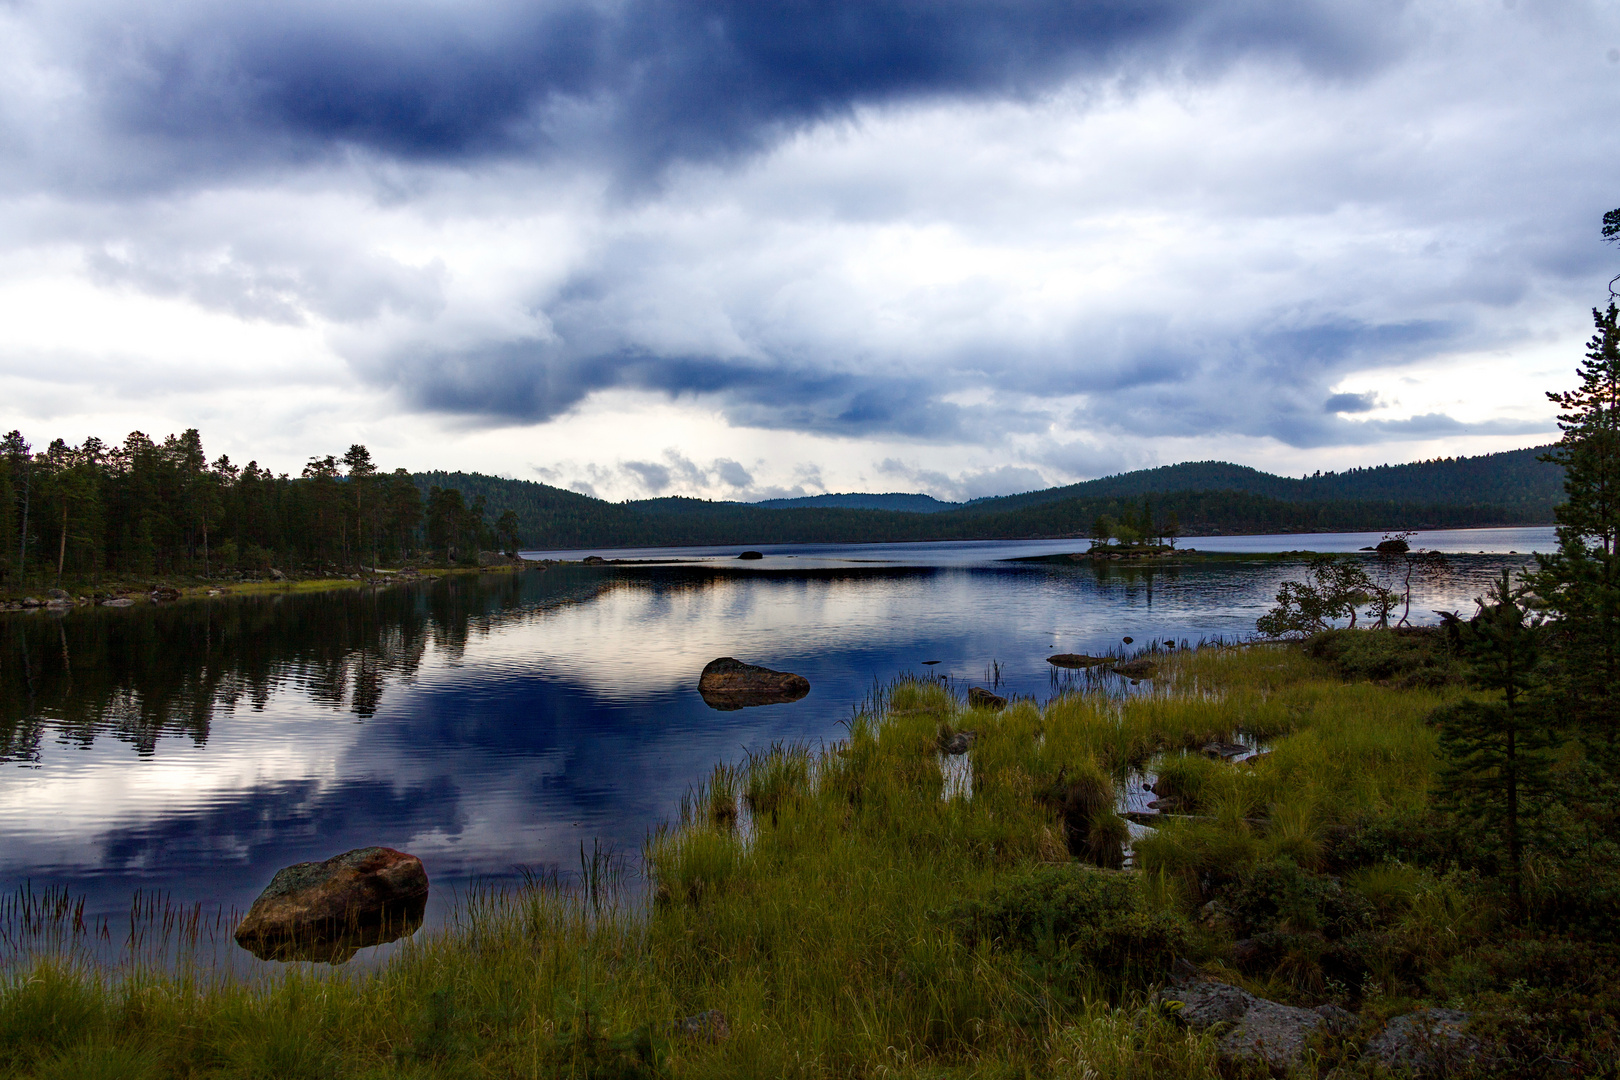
148, 508
1530, 762
552, 518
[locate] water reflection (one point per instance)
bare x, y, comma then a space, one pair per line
493, 723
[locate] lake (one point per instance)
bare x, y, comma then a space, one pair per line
495, 723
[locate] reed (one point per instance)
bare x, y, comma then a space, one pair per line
845, 925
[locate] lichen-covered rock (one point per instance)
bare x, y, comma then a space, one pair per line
1257, 1031
728, 684
326, 911
709, 1026
1429, 1042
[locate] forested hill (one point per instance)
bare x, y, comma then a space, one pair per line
1514, 481
860, 500
550, 517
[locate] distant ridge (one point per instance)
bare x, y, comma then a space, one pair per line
1513, 479
1207, 497
858, 500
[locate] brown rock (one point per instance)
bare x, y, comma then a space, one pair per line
326, 911
729, 684
1075, 660
1140, 668
980, 698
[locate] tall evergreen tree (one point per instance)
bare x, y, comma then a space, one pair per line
1497, 752
1581, 580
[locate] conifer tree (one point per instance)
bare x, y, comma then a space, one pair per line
1497, 752
1581, 580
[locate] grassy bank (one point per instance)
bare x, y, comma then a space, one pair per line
845, 919
89, 590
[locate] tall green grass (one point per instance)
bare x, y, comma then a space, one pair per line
838, 912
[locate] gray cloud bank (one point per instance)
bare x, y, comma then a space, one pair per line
954, 223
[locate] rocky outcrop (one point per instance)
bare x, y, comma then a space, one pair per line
326, 911
1257, 1031
980, 698
1429, 1042
729, 684
1392, 546
752, 555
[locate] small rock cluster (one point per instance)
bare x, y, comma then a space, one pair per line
1251, 1031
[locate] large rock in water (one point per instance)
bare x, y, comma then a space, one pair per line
327, 911
729, 684
1077, 660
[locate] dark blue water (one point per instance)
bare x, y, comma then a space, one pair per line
498, 722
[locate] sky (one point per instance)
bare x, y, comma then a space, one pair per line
741, 249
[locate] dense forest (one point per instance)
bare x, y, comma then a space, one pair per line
159, 508
1518, 482
1207, 498
147, 508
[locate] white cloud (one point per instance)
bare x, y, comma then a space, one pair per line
1120, 270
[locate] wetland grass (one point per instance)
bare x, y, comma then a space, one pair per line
842, 918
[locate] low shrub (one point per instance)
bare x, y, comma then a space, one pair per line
1404, 656
1091, 922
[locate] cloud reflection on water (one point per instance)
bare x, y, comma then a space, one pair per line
488, 723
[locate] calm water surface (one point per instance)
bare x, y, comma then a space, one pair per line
494, 723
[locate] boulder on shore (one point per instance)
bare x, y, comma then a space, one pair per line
728, 684
1257, 1031
980, 698
327, 911
1429, 1042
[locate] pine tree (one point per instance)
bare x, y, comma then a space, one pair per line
1581, 581
1497, 752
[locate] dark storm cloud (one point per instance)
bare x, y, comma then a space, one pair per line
532, 380
642, 82
1351, 403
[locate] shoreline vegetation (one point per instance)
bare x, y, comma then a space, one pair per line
867, 908
75, 517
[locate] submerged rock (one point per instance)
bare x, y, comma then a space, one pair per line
327, 911
1225, 750
1261, 1032
118, 601
1075, 660
1140, 668
727, 684
980, 698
